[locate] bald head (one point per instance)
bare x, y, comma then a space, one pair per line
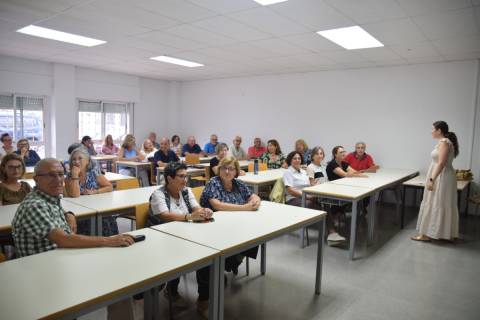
164, 144
48, 175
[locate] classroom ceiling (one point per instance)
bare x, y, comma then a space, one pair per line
235, 38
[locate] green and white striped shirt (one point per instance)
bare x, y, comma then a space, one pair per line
37, 215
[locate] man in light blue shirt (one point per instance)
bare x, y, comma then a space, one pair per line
210, 147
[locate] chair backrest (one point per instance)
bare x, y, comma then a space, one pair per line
197, 192
127, 184
141, 213
207, 173
278, 192
261, 166
191, 158
2, 257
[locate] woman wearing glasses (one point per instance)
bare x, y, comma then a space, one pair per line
83, 179
30, 157
226, 193
12, 190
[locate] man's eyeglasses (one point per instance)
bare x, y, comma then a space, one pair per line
182, 176
52, 175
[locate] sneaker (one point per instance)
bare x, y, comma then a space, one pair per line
177, 300
202, 308
335, 237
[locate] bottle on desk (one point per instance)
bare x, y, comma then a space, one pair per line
255, 166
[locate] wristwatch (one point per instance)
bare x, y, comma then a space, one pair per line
189, 218
431, 180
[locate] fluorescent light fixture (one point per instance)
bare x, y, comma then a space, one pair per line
60, 36
268, 2
351, 38
180, 62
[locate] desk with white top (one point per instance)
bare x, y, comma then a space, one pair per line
418, 183
28, 173
236, 231
110, 176
242, 163
106, 204
107, 159
266, 177
355, 189
8, 212
67, 283
202, 159
137, 165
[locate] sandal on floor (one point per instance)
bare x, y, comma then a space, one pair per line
421, 238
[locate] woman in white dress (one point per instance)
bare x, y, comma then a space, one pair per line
438, 215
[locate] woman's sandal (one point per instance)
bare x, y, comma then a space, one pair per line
421, 238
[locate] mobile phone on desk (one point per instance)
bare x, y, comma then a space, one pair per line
138, 237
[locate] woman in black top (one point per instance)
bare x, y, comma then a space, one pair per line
337, 168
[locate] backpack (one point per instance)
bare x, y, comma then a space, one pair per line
152, 219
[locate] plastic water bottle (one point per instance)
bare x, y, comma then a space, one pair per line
255, 166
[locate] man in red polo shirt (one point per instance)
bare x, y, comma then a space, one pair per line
360, 160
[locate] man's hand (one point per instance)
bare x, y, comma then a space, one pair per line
72, 222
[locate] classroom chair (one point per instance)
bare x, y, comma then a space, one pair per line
197, 191
476, 201
192, 158
141, 213
202, 179
124, 185
2, 257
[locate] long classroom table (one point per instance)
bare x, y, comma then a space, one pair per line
236, 231
67, 283
355, 189
263, 178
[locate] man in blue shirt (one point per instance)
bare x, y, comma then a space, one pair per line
210, 147
164, 155
191, 147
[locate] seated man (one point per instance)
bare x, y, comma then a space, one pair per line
360, 160
176, 202
236, 150
40, 224
88, 143
30, 157
256, 151
164, 155
191, 147
210, 147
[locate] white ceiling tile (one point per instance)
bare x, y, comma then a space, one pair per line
16, 13
231, 28
345, 56
279, 47
395, 31
417, 7
426, 60
48, 5
463, 56
140, 43
379, 54
225, 6
171, 40
314, 14
415, 50
445, 24
389, 63
269, 22
367, 11
187, 31
457, 45
313, 42
176, 9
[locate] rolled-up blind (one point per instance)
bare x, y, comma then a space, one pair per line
89, 106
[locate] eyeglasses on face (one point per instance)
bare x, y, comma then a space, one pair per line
13, 168
182, 176
52, 175
226, 169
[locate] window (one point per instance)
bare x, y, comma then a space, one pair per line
98, 118
22, 117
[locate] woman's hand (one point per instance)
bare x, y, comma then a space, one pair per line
90, 191
75, 171
429, 185
202, 214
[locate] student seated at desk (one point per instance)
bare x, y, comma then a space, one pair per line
109, 147
30, 157
295, 179
337, 168
317, 174
12, 190
236, 150
211, 146
302, 147
7, 145
164, 155
148, 149
191, 147
176, 202
226, 193
83, 179
41, 224
256, 151
360, 160
88, 143
221, 151
274, 157
176, 145
129, 152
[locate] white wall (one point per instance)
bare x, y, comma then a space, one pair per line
392, 109
63, 84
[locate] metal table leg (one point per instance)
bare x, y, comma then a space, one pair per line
215, 276
302, 231
221, 288
353, 230
263, 261
320, 244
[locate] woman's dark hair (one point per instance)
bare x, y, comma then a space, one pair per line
86, 138
175, 137
291, 155
443, 127
171, 170
335, 150
3, 164
275, 143
4, 135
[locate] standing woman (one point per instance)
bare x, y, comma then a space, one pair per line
274, 156
438, 215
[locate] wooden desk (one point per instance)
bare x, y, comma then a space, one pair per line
67, 283
243, 164
418, 183
202, 159
107, 159
28, 173
237, 231
8, 212
135, 165
267, 177
106, 204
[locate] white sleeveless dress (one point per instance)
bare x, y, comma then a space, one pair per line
438, 215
